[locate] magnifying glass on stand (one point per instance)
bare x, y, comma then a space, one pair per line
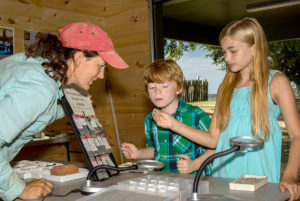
239, 143
88, 187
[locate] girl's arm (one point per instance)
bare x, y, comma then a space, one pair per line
282, 94
206, 138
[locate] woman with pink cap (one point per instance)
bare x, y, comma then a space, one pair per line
30, 89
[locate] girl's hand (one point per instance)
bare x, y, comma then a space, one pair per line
162, 119
130, 151
186, 165
290, 184
36, 189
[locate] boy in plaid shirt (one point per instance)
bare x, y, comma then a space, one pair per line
164, 82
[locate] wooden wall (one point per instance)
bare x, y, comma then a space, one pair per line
126, 21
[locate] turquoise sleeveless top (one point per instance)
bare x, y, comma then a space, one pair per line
252, 161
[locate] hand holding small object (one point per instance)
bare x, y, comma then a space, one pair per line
163, 119
129, 150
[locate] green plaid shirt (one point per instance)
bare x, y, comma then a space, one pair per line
168, 145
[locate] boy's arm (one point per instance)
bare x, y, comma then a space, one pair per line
146, 153
131, 152
203, 157
188, 166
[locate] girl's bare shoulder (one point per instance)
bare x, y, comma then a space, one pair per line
279, 79
279, 86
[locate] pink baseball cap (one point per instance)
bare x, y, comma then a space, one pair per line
88, 36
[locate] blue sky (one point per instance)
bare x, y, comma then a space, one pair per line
195, 63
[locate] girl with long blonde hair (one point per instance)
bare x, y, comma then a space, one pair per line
248, 103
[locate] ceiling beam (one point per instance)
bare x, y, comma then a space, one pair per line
198, 33
190, 32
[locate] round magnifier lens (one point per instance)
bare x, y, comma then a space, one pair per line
150, 164
247, 141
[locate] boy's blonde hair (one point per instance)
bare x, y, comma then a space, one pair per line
163, 70
249, 31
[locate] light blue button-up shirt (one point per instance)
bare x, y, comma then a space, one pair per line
28, 103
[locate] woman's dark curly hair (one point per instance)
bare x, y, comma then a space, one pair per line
49, 47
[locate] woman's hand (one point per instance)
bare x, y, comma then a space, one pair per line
162, 119
290, 184
130, 151
186, 165
36, 189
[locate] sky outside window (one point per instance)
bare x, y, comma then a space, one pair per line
196, 64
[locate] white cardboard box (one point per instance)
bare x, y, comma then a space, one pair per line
248, 183
39, 169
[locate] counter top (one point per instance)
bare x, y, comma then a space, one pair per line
268, 192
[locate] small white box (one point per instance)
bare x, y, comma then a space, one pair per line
38, 169
248, 183
81, 174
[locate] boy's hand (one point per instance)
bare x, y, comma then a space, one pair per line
290, 184
129, 150
36, 189
186, 165
162, 119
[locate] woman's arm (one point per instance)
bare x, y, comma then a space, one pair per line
282, 94
26, 100
36, 189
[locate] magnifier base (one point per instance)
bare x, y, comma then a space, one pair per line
211, 197
195, 197
88, 188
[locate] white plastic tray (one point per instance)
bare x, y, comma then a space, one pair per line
116, 193
149, 188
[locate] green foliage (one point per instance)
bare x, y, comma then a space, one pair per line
285, 56
216, 53
174, 49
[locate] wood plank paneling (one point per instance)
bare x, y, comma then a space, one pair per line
94, 7
115, 7
126, 21
45, 19
127, 24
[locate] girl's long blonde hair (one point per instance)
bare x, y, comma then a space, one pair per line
247, 30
